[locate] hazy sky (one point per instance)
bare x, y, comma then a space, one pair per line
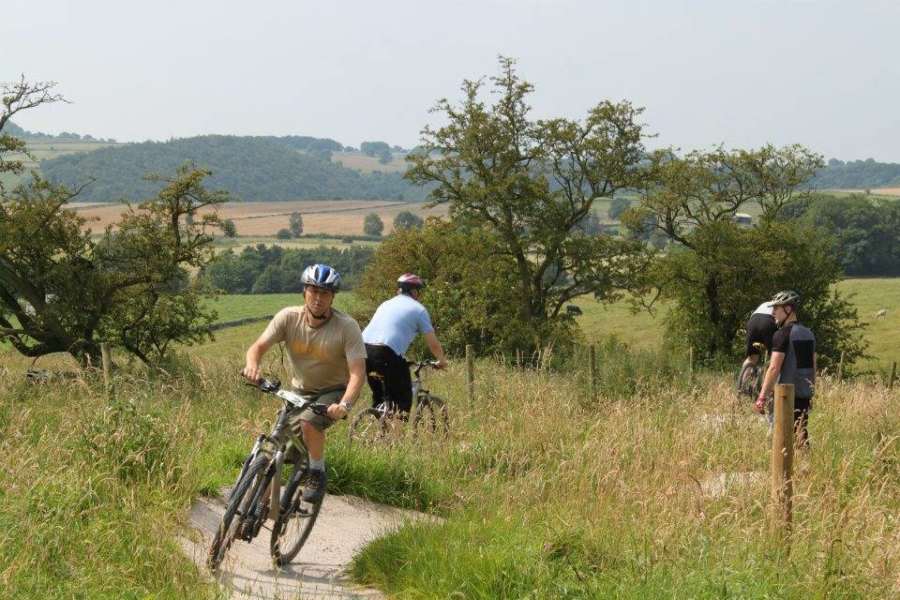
743, 73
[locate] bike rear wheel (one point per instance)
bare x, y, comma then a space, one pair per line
239, 505
369, 427
749, 380
431, 415
295, 521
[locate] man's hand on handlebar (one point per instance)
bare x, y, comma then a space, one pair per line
251, 373
336, 412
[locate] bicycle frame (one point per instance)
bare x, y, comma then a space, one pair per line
277, 452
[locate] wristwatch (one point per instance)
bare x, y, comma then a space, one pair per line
346, 405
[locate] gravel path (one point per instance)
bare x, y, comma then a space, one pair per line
344, 526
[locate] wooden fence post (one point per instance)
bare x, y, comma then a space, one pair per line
107, 366
592, 369
893, 376
783, 457
840, 372
470, 372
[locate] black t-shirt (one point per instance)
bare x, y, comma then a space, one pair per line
799, 347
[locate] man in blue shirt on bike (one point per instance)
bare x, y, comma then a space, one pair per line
389, 334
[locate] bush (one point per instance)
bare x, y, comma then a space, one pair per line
471, 291
284, 234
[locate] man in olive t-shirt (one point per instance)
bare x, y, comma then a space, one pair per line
328, 358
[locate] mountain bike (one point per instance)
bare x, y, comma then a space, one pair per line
750, 377
382, 421
257, 496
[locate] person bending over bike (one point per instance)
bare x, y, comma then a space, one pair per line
389, 334
793, 360
328, 359
760, 329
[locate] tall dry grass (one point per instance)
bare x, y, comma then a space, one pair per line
658, 488
659, 493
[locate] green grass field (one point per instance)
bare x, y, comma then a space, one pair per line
644, 331
657, 489
234, 307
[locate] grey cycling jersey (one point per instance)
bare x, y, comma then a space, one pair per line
799, 346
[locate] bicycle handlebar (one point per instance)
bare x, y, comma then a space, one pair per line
419, 365
273, 386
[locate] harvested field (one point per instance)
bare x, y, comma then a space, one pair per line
339, 217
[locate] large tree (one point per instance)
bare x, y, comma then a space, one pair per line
717, 272
63, 291
531, 183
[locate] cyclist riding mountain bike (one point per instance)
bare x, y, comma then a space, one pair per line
387, 337
328, 360
793, 360
760, 329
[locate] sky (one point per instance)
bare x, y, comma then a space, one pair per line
745, 73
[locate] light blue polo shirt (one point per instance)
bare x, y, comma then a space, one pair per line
396, 323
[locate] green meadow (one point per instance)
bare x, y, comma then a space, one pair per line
656, 488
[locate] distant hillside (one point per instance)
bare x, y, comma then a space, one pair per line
251, 168
14, 130
857, 174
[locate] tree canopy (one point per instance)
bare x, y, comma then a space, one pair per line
63, 291
866, 232
373, 225
717, 272
530, 183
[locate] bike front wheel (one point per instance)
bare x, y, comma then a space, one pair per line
369, 427
431, 415
295, 521
239, 505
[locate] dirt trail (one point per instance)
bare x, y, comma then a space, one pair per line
344, 526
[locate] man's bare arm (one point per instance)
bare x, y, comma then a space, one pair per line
357, 367
775, 361
436, 349
254, 356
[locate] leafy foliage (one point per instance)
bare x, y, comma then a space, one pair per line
62, 291
856, 174
249, 168
377, 149
717, 272
265, 269
229, 229
407, 220
373, 225
530, 184
471, 292
296, 224
866, 232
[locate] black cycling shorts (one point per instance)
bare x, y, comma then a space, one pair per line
760, 328
397, 382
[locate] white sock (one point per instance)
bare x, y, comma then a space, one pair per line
317, 465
